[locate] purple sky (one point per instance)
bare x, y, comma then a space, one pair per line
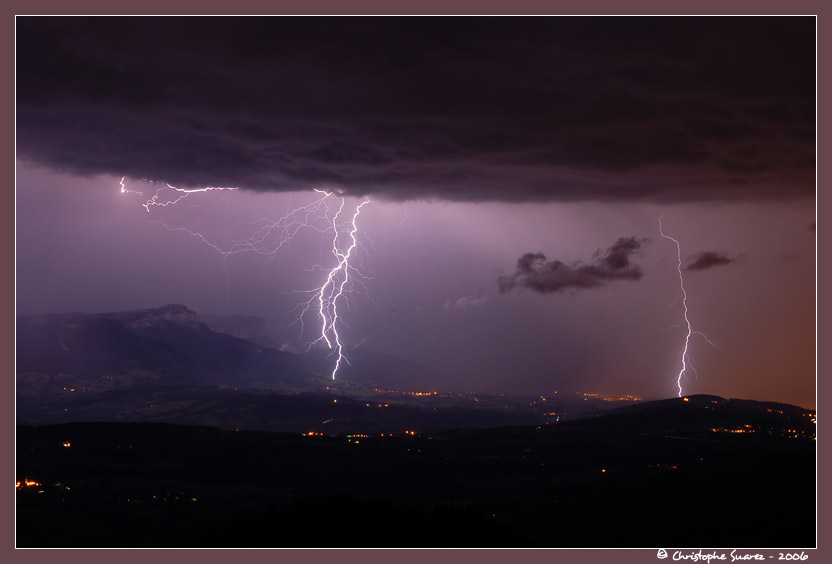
482, 142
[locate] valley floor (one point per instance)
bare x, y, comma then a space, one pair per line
591, 483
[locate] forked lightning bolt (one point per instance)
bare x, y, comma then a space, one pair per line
326, 297
270, 236
328, 306
690, 331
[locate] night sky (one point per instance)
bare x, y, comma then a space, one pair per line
516, 169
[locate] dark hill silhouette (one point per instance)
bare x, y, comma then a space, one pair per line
707, 414
628, 478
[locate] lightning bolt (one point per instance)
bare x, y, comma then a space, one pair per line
125, 190
183, 193
325, 298
342, 268
684, 307
270, 236
686, 360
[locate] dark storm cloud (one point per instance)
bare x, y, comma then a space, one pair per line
709, 259
536, 273
466, 109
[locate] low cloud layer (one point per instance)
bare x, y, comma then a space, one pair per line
462, 109
709, 259
536, 273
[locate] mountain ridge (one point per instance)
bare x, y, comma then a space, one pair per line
172, 344
156, 345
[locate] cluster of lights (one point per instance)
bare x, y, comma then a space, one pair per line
405, 393
353, 436
747, 429
27, 483
609, 397
793, 433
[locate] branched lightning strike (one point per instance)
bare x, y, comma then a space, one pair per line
183, 193
270, 236
686, 361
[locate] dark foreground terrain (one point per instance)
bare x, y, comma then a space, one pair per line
701, 472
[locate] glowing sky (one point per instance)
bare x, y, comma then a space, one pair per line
479, 142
